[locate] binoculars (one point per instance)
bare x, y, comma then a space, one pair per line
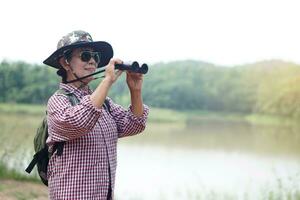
133, 67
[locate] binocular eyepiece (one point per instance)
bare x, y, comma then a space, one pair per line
133, 67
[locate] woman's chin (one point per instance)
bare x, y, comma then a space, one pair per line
88, 79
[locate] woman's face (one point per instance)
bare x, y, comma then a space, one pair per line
80, 66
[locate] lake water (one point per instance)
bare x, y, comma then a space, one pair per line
210, 160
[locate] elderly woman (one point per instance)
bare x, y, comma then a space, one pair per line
86, 166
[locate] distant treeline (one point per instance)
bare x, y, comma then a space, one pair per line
269, 87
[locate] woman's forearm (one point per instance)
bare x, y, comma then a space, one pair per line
99, 95
137, 103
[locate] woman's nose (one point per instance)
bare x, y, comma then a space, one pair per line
92, 62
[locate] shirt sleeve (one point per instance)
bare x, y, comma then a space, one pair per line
127, 123
67, 122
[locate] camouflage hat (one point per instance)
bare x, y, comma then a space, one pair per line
78, 39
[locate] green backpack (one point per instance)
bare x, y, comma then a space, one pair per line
42, 156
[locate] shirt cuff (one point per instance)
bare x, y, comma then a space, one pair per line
142, 119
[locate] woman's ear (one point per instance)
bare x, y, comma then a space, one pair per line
64, 63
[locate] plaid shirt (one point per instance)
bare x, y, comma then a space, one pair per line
89, 157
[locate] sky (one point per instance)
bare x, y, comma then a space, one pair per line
231, 32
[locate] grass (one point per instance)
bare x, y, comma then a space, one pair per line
166, 115
30, 109
6, 173
271, 120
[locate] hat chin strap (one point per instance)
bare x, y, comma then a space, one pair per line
77, 78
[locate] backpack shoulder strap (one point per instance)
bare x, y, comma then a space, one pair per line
106, 105
37, 156
71, 96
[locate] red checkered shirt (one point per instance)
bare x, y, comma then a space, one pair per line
90, 151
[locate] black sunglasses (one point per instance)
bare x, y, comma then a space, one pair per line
86, 56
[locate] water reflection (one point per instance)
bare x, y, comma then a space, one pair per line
226, 136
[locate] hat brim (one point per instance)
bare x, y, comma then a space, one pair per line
105, 49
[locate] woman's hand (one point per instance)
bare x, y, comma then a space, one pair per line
110, 72
100, 93
134, 81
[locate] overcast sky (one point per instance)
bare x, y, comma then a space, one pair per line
223, 32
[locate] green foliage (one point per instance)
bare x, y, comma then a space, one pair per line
268, 87
24, 83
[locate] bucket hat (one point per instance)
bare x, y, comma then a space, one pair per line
78, 39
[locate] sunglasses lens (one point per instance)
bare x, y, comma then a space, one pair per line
96, 57
86, 56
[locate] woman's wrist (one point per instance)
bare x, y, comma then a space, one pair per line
135, 91
108, 80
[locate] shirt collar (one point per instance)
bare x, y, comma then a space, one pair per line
77, 91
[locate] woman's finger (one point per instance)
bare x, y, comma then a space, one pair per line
118, 73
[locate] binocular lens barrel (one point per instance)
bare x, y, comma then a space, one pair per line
144, 68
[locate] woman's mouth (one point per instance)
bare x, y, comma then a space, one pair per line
91, 70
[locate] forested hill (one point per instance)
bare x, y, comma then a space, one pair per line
271, 87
